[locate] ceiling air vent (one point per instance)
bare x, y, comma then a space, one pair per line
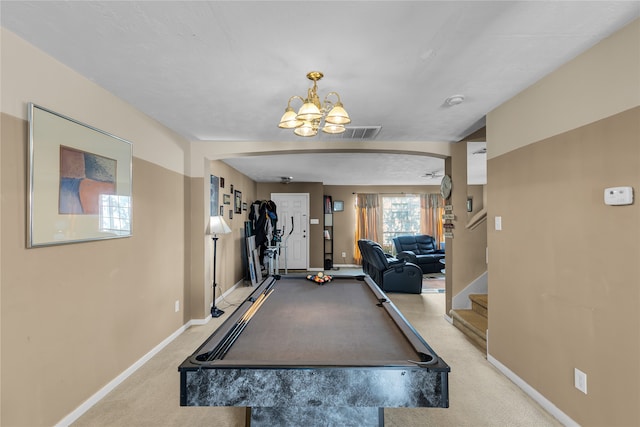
356, 132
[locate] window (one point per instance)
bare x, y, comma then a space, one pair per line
400, 216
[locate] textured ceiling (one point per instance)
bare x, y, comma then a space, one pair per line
355, 169
223, 71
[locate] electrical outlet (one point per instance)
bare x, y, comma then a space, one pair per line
177, 306
580, 380
344, 254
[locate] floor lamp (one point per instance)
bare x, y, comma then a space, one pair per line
216, 226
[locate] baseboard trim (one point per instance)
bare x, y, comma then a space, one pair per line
533, 393
198, 322
96, 397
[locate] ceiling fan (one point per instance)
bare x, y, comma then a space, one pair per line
433, 175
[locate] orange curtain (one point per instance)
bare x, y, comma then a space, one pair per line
367, 218
431, 211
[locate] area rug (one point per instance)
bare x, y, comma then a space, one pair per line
433, 282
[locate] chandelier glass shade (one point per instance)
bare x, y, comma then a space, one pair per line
307, 121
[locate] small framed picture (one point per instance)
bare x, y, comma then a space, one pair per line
338, 206
244, 206
221, 182
213, 195
469, 204
230, 213
237, 201
231, 189
221, 210
226, 199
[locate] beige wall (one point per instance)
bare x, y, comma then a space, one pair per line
199, 285
564, 271
69, 309
76, 316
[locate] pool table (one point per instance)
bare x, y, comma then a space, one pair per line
299, 353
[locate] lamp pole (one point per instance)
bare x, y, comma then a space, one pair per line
215, 311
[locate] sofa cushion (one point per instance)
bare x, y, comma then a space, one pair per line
420, 244
419, 249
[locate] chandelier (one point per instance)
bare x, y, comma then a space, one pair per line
306, 121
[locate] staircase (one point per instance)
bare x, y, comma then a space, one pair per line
474, 322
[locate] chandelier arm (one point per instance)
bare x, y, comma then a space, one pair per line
292, 98
326, 98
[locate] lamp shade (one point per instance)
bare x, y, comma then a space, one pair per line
330, 128
309, 111
338, 115
289, 120
306, 129
218, 226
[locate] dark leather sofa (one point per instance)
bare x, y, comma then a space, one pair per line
421, 250
389, 273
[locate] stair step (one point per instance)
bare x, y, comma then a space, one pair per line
480, 299
480, 304
472, 324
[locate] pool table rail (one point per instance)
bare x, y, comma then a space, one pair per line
212, 351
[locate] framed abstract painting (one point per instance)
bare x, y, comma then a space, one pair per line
79, 182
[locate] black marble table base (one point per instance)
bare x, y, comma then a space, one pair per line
315, 417
315, 387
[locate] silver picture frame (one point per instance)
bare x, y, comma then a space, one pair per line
79, 181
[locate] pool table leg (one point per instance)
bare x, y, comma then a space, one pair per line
315, 416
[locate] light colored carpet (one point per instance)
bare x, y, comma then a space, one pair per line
479, 395
433, 282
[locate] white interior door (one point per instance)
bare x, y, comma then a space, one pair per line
293, 215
